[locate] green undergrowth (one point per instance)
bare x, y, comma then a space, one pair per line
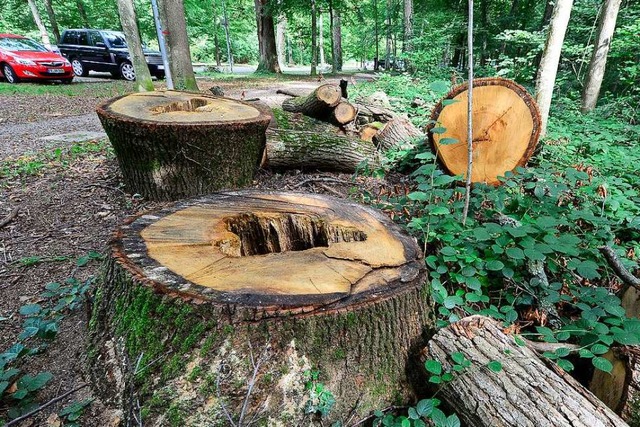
88, 89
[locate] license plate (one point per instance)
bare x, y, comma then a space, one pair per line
160, 67
56, 70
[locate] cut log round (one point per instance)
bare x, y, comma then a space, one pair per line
506, 128
224, 302
300, 142
172, 145
319, 103
344, 113
525, 393
398, 132
620, 389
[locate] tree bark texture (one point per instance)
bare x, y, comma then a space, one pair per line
314, 38
506, 129
172, 145
336, 36
52, 19
408, 26
546, 78
281, 42
207, 355
344, 113
398, 132
598, 63
321, 38
44, 35
175, 25
268, 61
227, 36
300, 142
319, 103
525, 393
127, 13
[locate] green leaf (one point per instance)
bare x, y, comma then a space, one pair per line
440, 86
588, 270
433, 366
438, 130
565, 365
562, 352
602, 364
440, 210
452, 421
515, 253
448, 141
494, 366
446, 102
584, 353
30, 309
35, 383
452, 301
481, 234
457, 357
418, 196
599, 349
424, 407
448, 251
3, 386
534, 255
413, 414
494, 265
519, 341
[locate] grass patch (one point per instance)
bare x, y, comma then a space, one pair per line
88, 89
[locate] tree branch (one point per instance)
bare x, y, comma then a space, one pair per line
614, 262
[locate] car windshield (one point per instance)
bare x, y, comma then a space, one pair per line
19, 44
115, 39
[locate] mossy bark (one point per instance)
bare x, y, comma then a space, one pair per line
177, 358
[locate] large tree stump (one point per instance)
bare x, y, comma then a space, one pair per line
525, 393
506, 128
172, 145
230, 301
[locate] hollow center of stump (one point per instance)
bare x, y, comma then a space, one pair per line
261, 235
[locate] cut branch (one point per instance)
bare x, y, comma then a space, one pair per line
614, 262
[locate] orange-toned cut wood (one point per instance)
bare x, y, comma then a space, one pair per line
506, 128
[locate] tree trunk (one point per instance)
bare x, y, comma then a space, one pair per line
223, 309
524, 393
548, 69
227, 36
336, 37
320, 38
281, 44
319, 103
128, 20
314, 38
216, 42
407, 46
505, 132
376, 60
172, 145
83, 13
387, 55
44, 35
268, 58
344, 113
598, 63
52, 19
179, 53
399, 132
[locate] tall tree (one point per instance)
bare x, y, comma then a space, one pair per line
314, 38
387, 56
227, 35
336, 36
52, 19
407, 46
83, 13
598, 63
548, 69
179, 53
216, 42
281, 43
44, 35
320, 37
268, 61
130, 28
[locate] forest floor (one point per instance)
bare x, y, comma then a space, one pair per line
59, 202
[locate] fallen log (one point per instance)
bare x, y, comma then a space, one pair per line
506, 128
300, 142
219, 308
524, 393
370, 130
172, 145
344, 113
398, 132
319, 103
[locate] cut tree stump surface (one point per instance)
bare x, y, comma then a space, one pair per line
271, 249
506, 128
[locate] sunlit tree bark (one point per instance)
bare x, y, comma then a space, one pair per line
268, 61
44, 35
127, 14
52, 19
179, 53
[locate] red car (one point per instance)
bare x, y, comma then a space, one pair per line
23, 59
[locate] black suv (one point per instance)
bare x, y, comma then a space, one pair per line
104, 50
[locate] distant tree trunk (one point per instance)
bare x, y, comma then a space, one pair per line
290, 59
268, 61
484, 12
598, 63
179, 53
314, 37
546, 16
321, 38
336, 38
407, 46
44, 35
281, 42
227, 36
83, 13
127, 14
548, 69
52, 19
216, 42
376, 60
387, 55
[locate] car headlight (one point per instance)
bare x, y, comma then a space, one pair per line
25, 61
67, 63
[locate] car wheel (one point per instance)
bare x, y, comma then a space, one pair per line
9, 74
78, 68
127, 71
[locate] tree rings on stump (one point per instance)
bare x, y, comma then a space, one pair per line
172, 145
506, 128
268, 286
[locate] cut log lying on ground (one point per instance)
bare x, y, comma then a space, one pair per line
370, 130
344, 113
300, 142
221, 304
397, 132
620, 389
506, 128
319, 103
171, 145
524, 393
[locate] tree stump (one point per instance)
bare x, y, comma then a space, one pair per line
227, 306
172, 145
506, 128
525, 393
